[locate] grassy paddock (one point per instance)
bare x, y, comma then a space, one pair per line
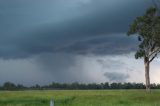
80, 98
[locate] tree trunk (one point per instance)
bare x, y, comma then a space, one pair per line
147, 63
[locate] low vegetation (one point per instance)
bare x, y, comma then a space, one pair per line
80, 98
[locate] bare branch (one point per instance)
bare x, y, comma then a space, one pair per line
154, 52
153, 58
155, 55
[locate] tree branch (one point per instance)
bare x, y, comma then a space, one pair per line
153, 57
155, 51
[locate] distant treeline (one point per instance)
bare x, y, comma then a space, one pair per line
77, 86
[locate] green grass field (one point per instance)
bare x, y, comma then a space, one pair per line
81, 98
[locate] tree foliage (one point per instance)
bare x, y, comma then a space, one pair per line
77, 86
147, 29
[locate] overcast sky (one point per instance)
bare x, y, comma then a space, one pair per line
42, 41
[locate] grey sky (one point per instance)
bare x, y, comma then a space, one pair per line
45, 39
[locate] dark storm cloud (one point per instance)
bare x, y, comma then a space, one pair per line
110, 45
34, 27
67, 40
116, 76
